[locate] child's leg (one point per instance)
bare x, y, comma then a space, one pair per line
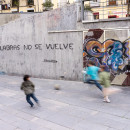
106, 93
28, 100
89, 81
97, 84
106, 99
35, 99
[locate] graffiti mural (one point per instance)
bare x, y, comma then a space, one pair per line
113, 53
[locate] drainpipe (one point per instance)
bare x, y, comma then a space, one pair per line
82, 9
128, 8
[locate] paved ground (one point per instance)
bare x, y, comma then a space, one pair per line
77, 106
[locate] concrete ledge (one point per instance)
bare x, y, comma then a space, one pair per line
66, 31
106, 20
22, 13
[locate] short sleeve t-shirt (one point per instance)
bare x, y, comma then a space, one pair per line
92, 71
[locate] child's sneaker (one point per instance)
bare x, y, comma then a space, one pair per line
38, 104
32, 106
106, 100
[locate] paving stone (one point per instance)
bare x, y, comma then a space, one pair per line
127, 127
26, 125
64, 120
112, 129
50, 125
44, 114
87, 125
24, 115
77, 106
9, 118
5, 126
127, 115
77, 111
108, 120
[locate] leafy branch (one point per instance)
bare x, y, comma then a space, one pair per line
48, 4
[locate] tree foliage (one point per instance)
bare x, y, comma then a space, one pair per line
48, 4
87, 7
15, 2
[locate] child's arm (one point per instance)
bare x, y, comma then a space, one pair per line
22, 86
32, 85
86, 69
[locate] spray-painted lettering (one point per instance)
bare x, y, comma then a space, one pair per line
60, 46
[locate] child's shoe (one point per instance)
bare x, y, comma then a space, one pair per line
38, 104
32, 106
106, 100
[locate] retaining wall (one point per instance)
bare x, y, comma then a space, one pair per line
50, 44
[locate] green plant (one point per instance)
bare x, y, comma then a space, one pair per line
86, 7
48, 4
15, 3
30, 2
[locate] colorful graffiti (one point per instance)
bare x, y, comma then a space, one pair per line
113, 53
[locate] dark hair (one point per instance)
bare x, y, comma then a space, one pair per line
91, 63
25, 78
103, 67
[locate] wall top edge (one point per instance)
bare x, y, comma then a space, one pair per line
84, 30
22, 13
106, 20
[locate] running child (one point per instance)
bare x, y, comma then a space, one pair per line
29, 88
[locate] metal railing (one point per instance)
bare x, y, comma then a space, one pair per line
107, 10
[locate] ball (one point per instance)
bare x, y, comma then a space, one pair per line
57, 87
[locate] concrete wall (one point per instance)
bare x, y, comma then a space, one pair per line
109, 47
6, 18
49, 44
27, 48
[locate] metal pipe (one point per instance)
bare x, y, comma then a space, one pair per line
82, 9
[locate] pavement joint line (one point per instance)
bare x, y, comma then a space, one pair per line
40, 118
44, 119
91, 109
112, 128
126, 117
11, 123
97, 110
55, 123
58, 124
42, 79
77, 106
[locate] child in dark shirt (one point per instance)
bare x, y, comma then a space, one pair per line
29, 88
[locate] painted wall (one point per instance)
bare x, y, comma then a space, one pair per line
7, 18
27, 47
50, 44
108, 47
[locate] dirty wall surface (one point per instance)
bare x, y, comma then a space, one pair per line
27, 47
54, 44
108, 47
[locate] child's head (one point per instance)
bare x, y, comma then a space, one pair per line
103, 67
91, 63
26, 77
